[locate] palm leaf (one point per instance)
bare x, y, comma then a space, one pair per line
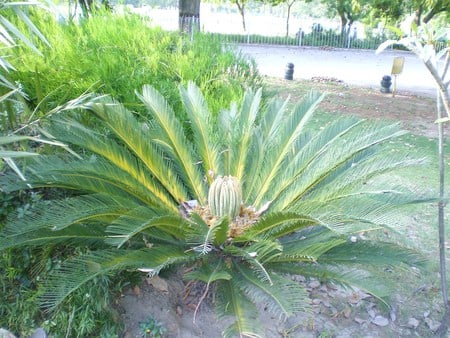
243, 128
200, 119
127, 129
278, 224
206, 274
308, 149
75, 235
374, 284
308, 245
372, 253
61, 214
140, 219
256, 255
17, 33
76, 272
203, 236
232, 302
268, 128
289, 133
171, 133
284, 297
119, 156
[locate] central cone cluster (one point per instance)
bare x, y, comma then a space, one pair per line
225, 197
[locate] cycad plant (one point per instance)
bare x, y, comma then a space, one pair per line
240, 203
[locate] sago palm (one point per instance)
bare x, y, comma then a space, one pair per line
243, 200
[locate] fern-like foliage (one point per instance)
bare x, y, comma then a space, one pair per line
139, 200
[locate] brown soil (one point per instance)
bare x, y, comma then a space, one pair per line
416, 113
336, 312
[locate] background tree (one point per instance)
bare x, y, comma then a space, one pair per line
288, 3
241, 8
348, 11
389, 11
425, 10
189, 15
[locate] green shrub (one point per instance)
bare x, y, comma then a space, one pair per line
116, 54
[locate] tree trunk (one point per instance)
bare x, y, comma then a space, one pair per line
241, 8
344, 21
438, 7
418, 15
289, 6
86, 7
189, 15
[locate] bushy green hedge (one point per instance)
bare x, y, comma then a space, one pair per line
117, 54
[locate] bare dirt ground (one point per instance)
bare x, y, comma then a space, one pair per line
335, 312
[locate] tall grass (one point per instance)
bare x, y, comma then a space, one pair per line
117, 54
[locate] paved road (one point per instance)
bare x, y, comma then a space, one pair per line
355, 67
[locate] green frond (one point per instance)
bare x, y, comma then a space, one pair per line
341, 153
60, 214
243, 132
290, 131
172, 134
375, 284
201, 123
359, 213
108, 148
359, 179
94, 176
203, 237
77, 271
133, 134
272, 118
308, 245
207, 274
370, 253
308, 148
231, 302
75, 235
283, 298
278, 224
256, 255
140, 219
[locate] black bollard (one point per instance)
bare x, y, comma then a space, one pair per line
386, 84
289, 75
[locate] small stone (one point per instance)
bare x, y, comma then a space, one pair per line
426, 314
179, 310
432, 324
127, 335
324, 288
137, 290
158, 283
372, 313
39, 333
6, 334
360, 320
301, 278
316, 301
347, 312
393, 315
380, 321
413, 323
314, 284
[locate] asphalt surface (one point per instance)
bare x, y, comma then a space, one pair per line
355, 67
